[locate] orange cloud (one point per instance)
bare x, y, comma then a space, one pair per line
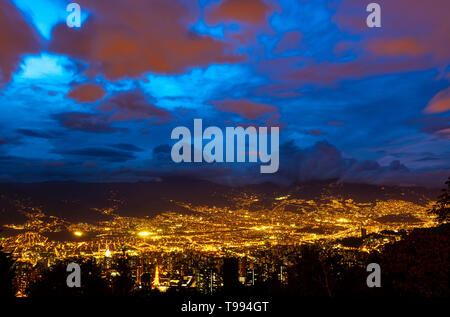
400, 46
87, 93
413, 27
248, 11
245, 108
439, 103
147, 36
133, 105
327, 72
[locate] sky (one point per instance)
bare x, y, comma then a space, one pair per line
98, 103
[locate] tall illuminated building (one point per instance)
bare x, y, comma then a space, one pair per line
156, 282
108, 258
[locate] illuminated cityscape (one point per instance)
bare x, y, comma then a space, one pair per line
187, 250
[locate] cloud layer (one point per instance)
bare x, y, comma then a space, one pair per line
99, 102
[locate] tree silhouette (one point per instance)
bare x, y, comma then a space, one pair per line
417, 265
53, 281
122, 284
442, 207
316, 272
6, 274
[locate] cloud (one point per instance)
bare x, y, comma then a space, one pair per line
87, 93
411, 27
395, 47
444, 133
439, 103
101, 153
336, 123
36, 133
289, 41
55, 164
162, 153
127, 147
324, 161
326, 72
432, 125
147, 36
411, 38
134, 105
315, 132
344, 76
246, 108
163, 148
248, 11
123, 106
17, 38
13, 140
89, 165
88, 122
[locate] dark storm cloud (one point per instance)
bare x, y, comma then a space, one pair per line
88, 122
321, 161
37, 133
14, 140
127, 147
324, 161
7, 158
163, 148
162, 152
134, 105
437, 126
101, 153
427, 158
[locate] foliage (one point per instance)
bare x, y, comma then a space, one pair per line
53, 281
6, 274
442, 207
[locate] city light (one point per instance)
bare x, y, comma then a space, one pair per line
218, 232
